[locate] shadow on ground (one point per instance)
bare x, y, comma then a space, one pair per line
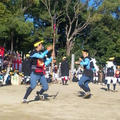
105, 89
46, 98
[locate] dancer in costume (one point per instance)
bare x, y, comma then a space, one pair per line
38, 69
87, 75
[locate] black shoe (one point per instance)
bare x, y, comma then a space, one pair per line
87, 95
38, 92
42, 97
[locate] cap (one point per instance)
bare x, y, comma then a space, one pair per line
27, 55
64, 57
112, 58
38, 42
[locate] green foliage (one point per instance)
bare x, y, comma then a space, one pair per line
12, 20
109, 6
101, 37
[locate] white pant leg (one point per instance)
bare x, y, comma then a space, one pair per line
114, 80
56, 76
96, 79
53, 76
108, 80
118, 80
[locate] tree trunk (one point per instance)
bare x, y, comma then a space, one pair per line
69, 45
68, 48
12, 34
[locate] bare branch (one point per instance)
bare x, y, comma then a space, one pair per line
75, 8
56, 3
59, 21
66, 30
68, 2
45, 2
49, 8
76, 25
79, 29
60, 15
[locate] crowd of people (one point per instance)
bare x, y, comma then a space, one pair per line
36, 67
107, 75
15, 68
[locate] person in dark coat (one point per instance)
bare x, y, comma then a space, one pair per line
26, 69
64, 71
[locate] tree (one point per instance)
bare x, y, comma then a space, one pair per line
14, 22
54, 16
79, 14
102, 38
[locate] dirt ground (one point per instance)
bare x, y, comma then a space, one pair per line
67, 105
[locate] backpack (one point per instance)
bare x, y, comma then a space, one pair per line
110, 71
91, 65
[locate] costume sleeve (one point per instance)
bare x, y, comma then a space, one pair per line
85, 62
47, 62
38, 55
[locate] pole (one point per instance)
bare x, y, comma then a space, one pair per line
54, 40
72, 66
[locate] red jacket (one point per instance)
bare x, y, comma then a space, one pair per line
117, 73
40, 67
2, 50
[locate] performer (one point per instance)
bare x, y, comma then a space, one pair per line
55, 71
26, 69
110, 75
87, 73
2, 51
64, 71
38, 69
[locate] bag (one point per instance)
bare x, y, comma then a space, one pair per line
15, 79
91, 65
110, 71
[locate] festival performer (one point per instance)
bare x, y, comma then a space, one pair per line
26, 69
110, 74
2, 50
55, 71
87, 75
117, 75
64, 71
38, 69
